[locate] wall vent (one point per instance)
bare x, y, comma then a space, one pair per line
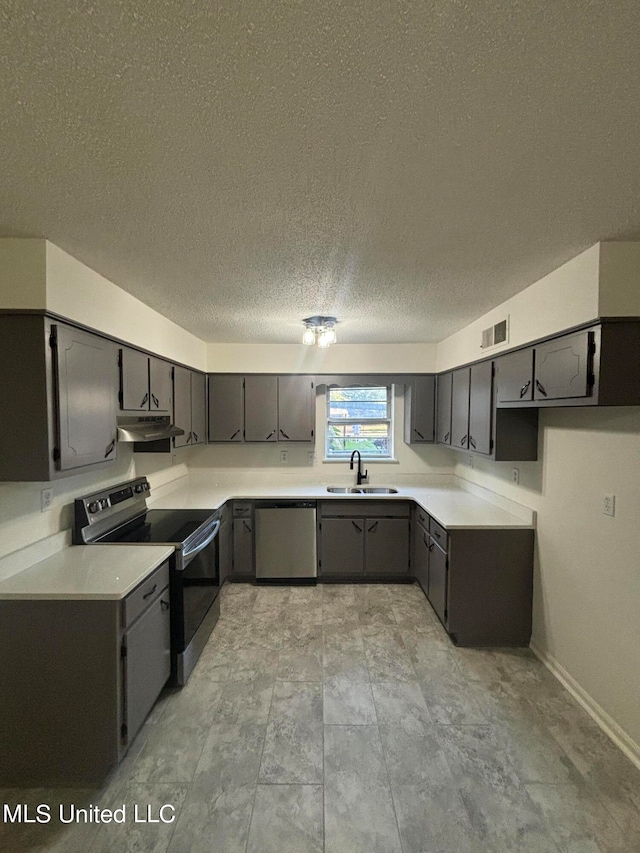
494, 335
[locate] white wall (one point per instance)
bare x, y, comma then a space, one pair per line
619, 279
339, 358
79, 293
566, 297
22, 273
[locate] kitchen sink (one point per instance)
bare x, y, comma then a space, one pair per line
361, 490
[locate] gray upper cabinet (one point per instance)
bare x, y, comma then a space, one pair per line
480, 407
295, 408
460, 388
145, 383
443, 397
562, 367
261, 408
226, 407
86, 381
160, 386
420, 410
189, 406
514, 377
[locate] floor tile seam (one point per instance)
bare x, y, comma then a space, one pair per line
386, 766
603, 802
255, 791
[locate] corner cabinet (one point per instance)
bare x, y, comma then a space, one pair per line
260, 408
60, 389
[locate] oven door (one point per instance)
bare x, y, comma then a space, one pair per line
195, 585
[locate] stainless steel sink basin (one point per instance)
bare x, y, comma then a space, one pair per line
361, 490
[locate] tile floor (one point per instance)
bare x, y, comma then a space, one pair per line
339, 718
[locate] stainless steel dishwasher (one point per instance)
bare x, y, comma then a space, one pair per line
285, 540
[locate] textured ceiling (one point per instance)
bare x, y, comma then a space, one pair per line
238, 166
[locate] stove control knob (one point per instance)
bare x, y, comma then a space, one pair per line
139, 488
94, 506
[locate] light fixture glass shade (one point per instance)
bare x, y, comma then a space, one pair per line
324, 338
309, 336
330, 335
319, 330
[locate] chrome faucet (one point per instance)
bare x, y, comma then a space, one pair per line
362, 475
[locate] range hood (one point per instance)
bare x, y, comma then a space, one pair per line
146, 429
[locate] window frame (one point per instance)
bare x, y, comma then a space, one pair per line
389, 420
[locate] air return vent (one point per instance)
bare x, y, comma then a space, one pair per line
494, 335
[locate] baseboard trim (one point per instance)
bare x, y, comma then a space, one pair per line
608, 725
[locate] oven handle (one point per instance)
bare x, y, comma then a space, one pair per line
214, 532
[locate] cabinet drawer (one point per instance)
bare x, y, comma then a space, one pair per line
365, 509
423, 518
138, 600
439, 534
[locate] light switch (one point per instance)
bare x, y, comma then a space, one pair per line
284, 455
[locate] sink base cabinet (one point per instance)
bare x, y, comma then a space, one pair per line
78, 682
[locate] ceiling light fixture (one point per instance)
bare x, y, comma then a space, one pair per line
320, 330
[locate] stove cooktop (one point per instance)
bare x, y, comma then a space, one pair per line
160, 526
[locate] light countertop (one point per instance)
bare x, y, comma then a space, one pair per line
451, 506
86, 572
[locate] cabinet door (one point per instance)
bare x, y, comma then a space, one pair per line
148, 662
420, 412
243, 562
198, 408
134, 380
261, 408
437, 593
386, 546
563, 367
296, 409
342, 546
182, 405
226, 406
86, 369
421, 557
480, 407
444, 408
514, 377
460, 386
225, 544
160, 386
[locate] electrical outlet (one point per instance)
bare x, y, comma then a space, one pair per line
284, 455
174, 459
312, 457
515, 475
46, 500
470, 461
609, 505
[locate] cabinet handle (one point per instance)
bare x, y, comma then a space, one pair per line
424, 539
524, 389
110, 448
359, 529
432, 546
155, 400
436, 534
418, 433
446, 437
273, 432
164, 605
472, 442
195, 436
463, 440
189, 438
373, 527
151, 591
283, 433
540, 388
144, 401
246, 526
234, 435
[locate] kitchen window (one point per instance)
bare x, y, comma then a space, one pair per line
359, 419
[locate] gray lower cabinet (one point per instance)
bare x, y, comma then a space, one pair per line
189, 406
437, 585
420, 410
226, 407
79, 678
420, 556
363, 538
243, 540
225, 543
58, 399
